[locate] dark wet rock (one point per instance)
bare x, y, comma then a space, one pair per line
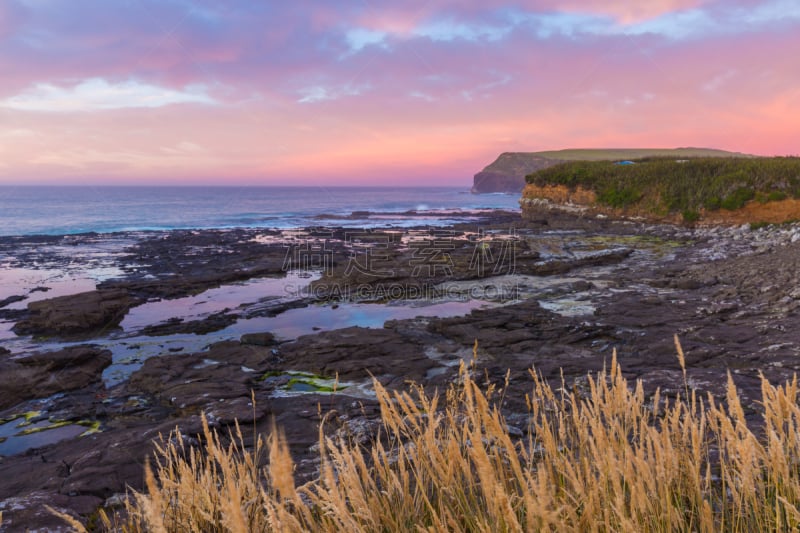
102, 467
582, 286
186, 262
78, 475
91, 312
228, 370
259, 339
228, 411
687, 284
174, 326
562, 266
168, 393
13, 315
44, 374
358, 353
416, 268
11, 299
4, 351
269, 308
734, 306
529, 319
28, 512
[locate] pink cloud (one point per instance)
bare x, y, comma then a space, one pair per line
626, 11
405, 110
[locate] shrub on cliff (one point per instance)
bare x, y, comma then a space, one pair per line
667, 185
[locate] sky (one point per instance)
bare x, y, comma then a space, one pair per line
378, 92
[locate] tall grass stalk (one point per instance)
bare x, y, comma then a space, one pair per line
608, 460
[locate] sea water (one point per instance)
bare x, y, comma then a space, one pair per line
71, 210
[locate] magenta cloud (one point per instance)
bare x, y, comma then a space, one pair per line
366, 83
285, 47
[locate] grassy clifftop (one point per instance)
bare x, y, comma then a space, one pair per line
694, 187
511, 162
507, 173
606, 154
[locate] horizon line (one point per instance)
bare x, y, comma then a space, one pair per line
250, 186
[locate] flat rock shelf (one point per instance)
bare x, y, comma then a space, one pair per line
175, 324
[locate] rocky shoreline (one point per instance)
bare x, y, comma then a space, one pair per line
559, 292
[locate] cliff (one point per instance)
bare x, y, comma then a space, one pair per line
507, 173
702, 190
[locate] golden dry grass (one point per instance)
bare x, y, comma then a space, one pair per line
607, 460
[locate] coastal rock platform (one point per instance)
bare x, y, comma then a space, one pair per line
578, 289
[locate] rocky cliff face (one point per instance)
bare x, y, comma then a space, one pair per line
507, 173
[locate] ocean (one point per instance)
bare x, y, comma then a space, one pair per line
37, 269
72, 210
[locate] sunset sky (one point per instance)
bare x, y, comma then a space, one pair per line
380, 92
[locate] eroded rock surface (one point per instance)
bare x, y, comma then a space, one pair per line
730, 294
213, 322
76, 314
43, 374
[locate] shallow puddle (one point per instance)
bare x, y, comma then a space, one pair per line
212, 301
129, 354
303, 321
38, 285
20, 434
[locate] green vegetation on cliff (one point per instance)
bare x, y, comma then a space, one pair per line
507, 173
606, 154
512, 163
664, 186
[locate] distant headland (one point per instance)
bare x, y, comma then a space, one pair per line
507, 173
